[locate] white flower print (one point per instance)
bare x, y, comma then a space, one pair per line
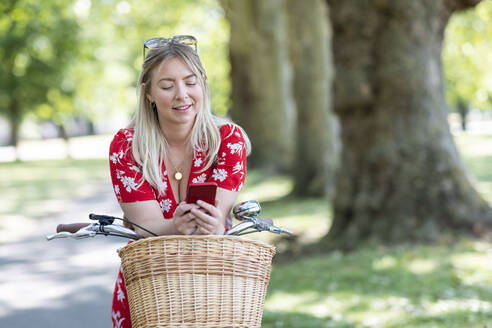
115, 157
220, 161
128, 135
200, 179
165, 205
117, 192
198, 162
238, 187
219, 174
134, 168
116, 319
129, 183
236, 147
119, 294
238, 168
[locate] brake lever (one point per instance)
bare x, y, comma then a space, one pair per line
238, 228
85, 232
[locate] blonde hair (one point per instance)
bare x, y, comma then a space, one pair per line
149, 146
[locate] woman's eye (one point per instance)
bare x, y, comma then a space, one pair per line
191, 83
167, 88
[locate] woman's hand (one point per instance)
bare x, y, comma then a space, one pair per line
184, 218
208, 218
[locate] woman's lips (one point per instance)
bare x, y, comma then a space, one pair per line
182, 108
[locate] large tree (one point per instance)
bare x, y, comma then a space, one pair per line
261, 77
401, 177
317, 138
38, 42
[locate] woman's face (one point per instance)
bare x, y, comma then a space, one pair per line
176, 92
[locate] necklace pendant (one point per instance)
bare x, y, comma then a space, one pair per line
178, 175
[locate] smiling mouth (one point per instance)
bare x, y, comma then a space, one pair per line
182, 108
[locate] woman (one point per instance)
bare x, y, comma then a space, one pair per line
173, 141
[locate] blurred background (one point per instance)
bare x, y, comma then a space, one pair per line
371, 124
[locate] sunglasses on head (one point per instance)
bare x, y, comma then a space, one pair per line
154, 43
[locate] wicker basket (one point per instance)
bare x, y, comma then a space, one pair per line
196, 281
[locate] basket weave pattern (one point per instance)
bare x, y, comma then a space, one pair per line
196, 281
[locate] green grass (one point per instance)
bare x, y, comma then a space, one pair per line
443, 285
36, 188
408, 286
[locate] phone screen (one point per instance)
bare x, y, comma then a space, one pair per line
201, 191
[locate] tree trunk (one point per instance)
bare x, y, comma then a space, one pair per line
261, 80
401, 178
463, 110
14, 118
317, 133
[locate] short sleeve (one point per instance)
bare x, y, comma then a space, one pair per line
126, 175
229, 170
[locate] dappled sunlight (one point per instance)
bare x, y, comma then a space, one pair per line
267, 190
381, 287
422, 266
473, 268
451, 305
368, 310
472, 145
384, 263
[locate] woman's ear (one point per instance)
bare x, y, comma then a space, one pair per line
149, 98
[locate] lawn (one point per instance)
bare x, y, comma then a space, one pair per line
444, 285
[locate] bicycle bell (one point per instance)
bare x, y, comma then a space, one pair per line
246, 210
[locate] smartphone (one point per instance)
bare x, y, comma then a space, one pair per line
201, 191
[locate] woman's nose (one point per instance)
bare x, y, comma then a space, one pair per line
181, 92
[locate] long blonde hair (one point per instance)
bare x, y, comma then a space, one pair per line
149, 146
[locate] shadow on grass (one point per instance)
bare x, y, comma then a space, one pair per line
273, 319
405, 280
452, 319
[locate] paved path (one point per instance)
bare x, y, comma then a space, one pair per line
61, 283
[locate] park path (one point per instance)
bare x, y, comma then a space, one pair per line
64, 282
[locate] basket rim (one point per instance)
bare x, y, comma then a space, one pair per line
196, 237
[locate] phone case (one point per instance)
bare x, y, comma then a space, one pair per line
201, 191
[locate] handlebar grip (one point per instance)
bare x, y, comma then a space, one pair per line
72, 227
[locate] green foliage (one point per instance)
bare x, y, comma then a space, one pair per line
62, 59
466, 57
114, 31
38, 40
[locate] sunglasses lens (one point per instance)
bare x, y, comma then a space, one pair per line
155, 42
186, 39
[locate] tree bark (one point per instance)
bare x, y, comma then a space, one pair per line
401, 178
317, 131
14, 118
261, 79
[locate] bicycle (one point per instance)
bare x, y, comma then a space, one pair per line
191, 281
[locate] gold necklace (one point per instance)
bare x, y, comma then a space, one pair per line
178, 175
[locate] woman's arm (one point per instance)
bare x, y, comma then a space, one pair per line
149, 215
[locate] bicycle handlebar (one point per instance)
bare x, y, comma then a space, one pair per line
246, 212
72, 227
90, 230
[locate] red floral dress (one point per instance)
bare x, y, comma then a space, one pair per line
228, 172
